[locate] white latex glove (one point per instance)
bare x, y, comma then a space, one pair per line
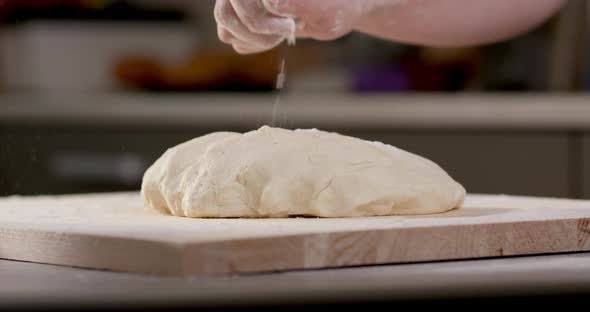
257, 25
253, 26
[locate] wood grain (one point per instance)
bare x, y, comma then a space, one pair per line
117, 232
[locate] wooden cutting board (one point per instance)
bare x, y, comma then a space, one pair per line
117, 232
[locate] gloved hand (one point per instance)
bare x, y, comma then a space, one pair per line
253, 26
257, 25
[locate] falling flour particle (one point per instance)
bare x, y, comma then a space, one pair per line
280, 83
291, 39
281, 76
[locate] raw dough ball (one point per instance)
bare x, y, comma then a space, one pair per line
273, 172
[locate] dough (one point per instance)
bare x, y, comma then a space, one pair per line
274, 172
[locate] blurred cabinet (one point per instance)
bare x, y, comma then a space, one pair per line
54, 57
72, 160
493, 162
586, 165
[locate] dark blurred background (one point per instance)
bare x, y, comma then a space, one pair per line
93, 91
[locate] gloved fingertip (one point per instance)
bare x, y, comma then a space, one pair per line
244, 50
289, 27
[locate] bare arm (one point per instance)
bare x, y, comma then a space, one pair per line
456, 22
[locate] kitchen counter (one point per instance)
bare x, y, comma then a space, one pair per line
488, 111
544, 278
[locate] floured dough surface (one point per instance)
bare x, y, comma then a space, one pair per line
274, 172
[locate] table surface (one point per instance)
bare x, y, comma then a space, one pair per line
37, 285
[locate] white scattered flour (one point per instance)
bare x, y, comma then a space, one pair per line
279, 85
280, 82
282, 73
281, 76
